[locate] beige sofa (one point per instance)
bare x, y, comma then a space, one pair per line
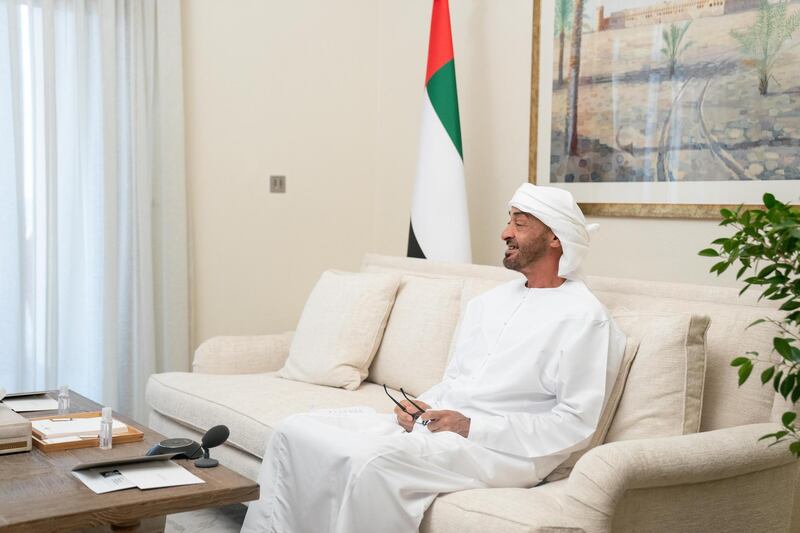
720, 479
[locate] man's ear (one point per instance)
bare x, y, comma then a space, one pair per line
554, 242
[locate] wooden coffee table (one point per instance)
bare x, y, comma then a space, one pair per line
38, 492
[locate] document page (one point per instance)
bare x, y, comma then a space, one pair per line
102, 480
158, 474
150, 475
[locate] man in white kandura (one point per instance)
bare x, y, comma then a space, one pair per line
534, 361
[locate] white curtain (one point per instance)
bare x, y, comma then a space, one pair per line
93, 239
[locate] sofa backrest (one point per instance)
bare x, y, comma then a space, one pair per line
724, 403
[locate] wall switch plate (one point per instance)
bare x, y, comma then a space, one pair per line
277, 184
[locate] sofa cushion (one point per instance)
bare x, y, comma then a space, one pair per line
416, 343
249, 404
498, 510
340, 329
664, 391
607, 415
725, 404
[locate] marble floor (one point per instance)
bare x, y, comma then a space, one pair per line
227, 519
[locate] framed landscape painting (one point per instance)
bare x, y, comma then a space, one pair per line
676, 108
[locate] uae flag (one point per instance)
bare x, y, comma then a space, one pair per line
439, 219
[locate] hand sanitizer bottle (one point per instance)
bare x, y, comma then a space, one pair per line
63, 399
106, 425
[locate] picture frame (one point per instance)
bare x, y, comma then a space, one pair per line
665, 158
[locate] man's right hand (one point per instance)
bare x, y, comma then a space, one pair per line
405, 420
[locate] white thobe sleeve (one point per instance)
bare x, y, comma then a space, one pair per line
580, 392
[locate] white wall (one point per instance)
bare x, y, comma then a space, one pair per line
329, 94
275, 87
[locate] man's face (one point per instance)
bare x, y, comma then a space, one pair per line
527, 240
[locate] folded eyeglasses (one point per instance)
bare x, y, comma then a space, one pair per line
414, 416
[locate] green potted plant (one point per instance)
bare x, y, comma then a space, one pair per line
766, 249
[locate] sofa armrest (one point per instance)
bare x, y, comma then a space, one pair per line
693, 480
242, 355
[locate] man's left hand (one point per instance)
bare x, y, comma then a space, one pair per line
446, 421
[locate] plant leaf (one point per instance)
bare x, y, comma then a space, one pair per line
787, 418
743, 288
739, 361
767, 270
787, 385
767, 374
776, 381
783, 347
791, 305
709, 252
745, 371
741, 271
795, 448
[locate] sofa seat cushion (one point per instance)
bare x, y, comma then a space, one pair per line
249, 404
497, 510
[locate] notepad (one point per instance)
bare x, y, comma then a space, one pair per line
54, 428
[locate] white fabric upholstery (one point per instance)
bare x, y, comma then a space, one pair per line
501, 510
725, 404
600, 494
340, 329
242, 355
416, 343
250, 404
664, 390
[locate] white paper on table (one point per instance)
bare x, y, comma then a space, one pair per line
34, 404
158, 474
102, 480
59, 440
67, 426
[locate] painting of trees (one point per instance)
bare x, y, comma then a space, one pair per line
571, 130
672, 44
763, 42
563, 23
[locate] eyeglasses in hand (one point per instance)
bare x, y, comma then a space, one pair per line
414, 416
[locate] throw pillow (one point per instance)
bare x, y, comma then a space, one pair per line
415, 346
340, 329
663, 396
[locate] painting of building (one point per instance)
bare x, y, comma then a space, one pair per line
670, 12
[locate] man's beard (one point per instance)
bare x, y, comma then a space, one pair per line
526, 254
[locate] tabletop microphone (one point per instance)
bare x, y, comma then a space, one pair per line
213, 438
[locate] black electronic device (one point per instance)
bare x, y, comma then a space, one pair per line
185, 448
213, 438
